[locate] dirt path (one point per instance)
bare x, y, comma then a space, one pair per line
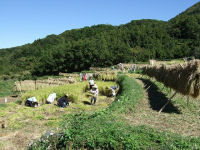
19, 139
172, 119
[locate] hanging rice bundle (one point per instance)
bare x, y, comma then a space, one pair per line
184, 78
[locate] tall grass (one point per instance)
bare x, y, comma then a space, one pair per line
106, 129
105, 76
73, 90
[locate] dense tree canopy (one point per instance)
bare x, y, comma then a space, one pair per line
105, 45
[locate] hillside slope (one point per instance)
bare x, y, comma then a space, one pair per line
195, 9
106, 45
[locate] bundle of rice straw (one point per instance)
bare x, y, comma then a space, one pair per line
106, 76
184, 79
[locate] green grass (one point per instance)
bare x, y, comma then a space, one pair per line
107, 129
102, 126
50, 115
179, 100
19, 117
128, 96
3, 105
76, 91
6, 87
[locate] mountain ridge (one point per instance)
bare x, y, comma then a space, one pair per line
104, 45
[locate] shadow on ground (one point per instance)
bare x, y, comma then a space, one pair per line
157, 99
86, 103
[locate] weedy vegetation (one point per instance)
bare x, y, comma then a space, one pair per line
27, 120
107, 129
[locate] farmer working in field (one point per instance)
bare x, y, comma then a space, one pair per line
95, 92
63, 101
91, 82
134, 67
85, 77
81, 77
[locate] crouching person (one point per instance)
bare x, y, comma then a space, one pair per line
63, 101
51, 98
31, 102
95, 92
113, 90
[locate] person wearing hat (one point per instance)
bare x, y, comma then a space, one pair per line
63, 101
91, 82
95, 93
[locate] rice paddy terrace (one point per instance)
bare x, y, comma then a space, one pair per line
25, 123
179, 117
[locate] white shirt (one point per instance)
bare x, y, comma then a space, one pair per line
94, 91
91, 82
51, 98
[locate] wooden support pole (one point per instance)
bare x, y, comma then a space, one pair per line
35, 84
187, 100
167, 102
148, 87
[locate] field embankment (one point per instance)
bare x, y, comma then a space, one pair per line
109, 128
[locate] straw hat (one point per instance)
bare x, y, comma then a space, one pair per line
95, 86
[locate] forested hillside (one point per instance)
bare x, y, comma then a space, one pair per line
105, 45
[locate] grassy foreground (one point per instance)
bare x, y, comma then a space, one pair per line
107, 129
26, 123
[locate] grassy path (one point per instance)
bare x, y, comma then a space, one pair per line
177, 117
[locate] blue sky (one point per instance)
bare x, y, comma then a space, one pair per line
23, 21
